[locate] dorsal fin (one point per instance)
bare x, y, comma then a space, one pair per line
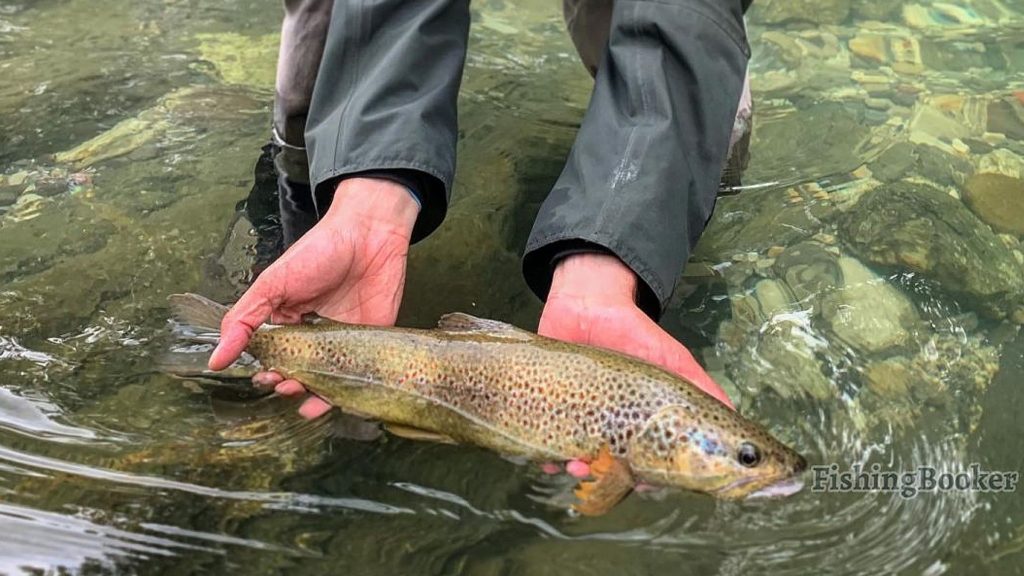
464, 323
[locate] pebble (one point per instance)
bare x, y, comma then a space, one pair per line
870, 47
825, 238
776, 251
878, 103
862, 171
18, 178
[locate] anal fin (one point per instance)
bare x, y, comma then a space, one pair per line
410, 433
612, 480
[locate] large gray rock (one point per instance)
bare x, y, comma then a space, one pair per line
924, 230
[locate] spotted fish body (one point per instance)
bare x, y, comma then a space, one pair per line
490, 384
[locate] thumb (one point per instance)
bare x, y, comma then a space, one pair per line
703, 381
684, 364
238, 325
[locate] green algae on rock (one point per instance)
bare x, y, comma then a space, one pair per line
241, 59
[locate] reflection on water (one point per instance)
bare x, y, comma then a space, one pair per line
860, 296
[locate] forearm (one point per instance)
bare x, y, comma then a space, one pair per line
385, 99
642, 176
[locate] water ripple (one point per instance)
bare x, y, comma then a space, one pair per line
271, 500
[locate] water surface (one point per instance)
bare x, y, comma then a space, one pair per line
133, 167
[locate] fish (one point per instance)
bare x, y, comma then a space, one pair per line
489, 384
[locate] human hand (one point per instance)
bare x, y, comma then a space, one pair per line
592, 302
349, 267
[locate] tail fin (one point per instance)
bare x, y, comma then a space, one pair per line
198, 312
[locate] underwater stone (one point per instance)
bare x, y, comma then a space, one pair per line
812, 11
937, 56
1007, 116
998, 200
940, 167
881, 10
940, 14
809, 270
241, 59
8, 196
1001, 161
900, 52
918, 228
894, 162
867, 312
793, 367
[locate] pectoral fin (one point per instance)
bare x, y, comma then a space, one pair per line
410, 433
611, 482
461, 322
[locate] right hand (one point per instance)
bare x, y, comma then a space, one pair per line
350, 267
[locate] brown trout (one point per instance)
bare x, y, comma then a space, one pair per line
490, 384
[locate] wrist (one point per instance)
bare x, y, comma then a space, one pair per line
374, 202
594, 277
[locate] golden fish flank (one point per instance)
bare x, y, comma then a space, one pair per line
493, 385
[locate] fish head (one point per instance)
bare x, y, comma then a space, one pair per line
715, 451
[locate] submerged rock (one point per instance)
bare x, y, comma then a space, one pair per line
809, 270
786, 356
174, 119
790, 330
241, 59
1001, 161
1007, 117
868, 313
924, 230
998, 200
881, 10
812, 11
948, 375
899, 51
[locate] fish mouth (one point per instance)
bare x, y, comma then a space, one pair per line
783, 487
786, 487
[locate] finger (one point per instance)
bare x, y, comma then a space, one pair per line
290, 388
682, 362
238, 325
550, 468
705, 383
285, 317
686, 366
577, 468
314, 407
267, 379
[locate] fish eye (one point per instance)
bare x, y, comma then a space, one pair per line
748, 455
